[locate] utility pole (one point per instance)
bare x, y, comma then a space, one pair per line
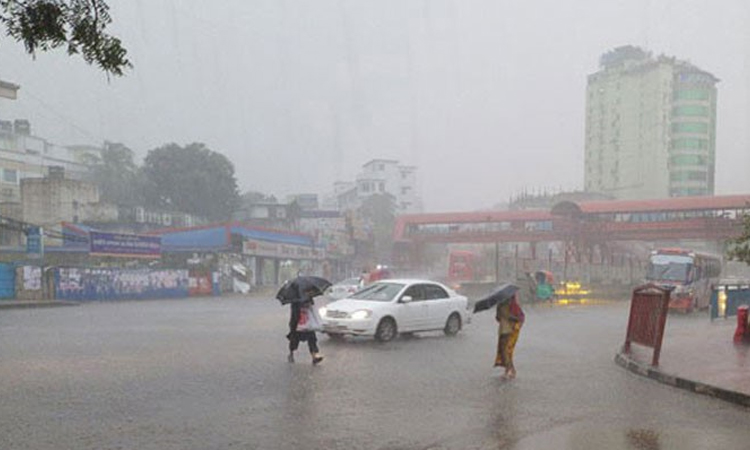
497, 262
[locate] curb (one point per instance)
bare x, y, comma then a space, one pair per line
696, 387
35, 304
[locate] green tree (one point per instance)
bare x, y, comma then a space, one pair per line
379, 213
255, 197
80, 25
739, 247
118, 176
191, 179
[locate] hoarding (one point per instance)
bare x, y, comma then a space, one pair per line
254, 247
124, 245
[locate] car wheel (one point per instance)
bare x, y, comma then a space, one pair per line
452, 325
386, 330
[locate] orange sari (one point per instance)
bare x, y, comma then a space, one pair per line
506, 343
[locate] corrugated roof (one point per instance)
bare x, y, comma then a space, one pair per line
218, 237
273, 236
671, 204
466, 217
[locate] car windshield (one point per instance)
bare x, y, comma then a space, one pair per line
380, 292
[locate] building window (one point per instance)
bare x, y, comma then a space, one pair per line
688, 176
688, 160
10, 176
381, 186
692, 94
690, 111
689, 144
690, 127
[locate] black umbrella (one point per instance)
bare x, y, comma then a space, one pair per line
301, 289
503, 294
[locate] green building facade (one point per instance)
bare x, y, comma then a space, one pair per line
650, 127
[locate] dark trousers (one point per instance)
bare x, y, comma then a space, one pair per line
295, 336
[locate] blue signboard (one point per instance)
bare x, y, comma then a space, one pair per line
128, 245
34, 240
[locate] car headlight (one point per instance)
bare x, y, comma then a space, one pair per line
322, 311
361, 314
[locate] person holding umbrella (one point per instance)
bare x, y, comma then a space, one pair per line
303, 319
510, 318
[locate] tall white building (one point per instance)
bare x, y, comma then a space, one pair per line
650, 127
381, 176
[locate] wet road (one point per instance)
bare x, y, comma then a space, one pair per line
212, 374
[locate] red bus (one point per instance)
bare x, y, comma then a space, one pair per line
689, 273
462, 266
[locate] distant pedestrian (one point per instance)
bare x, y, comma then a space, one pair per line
302, 329
510, 318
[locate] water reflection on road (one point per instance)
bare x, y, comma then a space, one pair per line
212, 373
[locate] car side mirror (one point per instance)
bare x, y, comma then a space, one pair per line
406, 299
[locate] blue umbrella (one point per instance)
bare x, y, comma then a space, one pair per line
501, 295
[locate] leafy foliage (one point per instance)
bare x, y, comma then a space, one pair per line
118, 176
740, 246
191, 179
254, 197
80, 25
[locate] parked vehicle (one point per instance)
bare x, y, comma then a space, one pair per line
462, 266
345, 288
544, 283
389, 307
689, 273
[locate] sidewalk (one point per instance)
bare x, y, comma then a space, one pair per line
697, 355
21, 304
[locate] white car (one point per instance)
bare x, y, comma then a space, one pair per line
345, 288
389, 307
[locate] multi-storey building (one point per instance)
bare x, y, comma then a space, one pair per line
650, 127
381, 176
23, 155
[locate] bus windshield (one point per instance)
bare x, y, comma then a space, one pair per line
669, 268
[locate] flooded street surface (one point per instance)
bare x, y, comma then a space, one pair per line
212, 374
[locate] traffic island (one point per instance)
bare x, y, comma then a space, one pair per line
631, 363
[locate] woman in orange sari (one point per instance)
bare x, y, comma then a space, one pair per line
510, 318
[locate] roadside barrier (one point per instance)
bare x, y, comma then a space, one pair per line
648, 318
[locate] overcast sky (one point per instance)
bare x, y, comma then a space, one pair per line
486, 97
